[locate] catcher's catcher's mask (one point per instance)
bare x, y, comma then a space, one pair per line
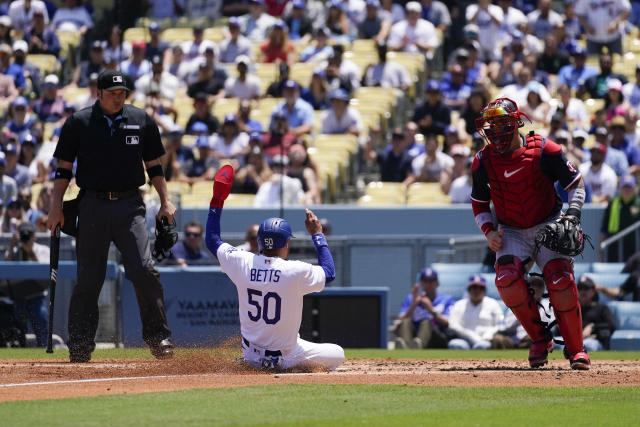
498, 122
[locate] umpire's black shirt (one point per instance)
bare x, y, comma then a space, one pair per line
110, 150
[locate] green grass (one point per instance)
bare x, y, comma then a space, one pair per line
325, 405
143, 353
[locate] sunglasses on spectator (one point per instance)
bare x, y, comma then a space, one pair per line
192, 234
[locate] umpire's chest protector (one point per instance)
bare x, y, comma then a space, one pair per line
522, 194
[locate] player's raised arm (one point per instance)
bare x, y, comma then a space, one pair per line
221, 189
325, 260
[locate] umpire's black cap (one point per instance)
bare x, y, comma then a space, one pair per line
112, 80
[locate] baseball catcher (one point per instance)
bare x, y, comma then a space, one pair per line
518, 173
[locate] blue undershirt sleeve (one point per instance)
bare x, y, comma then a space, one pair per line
212, 233
325, 260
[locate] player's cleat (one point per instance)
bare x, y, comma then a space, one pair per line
416, 343
162, 350
539, 352
580, 360
401, 344
79, 357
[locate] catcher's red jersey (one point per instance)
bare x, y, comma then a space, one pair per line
520, 183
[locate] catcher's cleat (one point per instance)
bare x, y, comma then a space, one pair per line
539, 352
580, 360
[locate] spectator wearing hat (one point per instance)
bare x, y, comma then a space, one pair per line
618, 141
596, 85
178, 66
50, 107
543, 19
22, 120
202, 113
13, 169
245, 85
488, 17
373, 26
31, 72
268, 195
604, 25
460, 189
256, 23
622, 211
424, 315
27, 158
95, 64
341, 72
189, 251
534, 106
138, 65
13, 215
254, 173
29, 296
206, 81
575, 74
616, 159
158, 80
155, 45
614, 99
552, 59
413, 34
230, 143
299, 113
475, 319
277, 48
599, 175
8, 186
513, 19
41, 38
205, 166
468, 56
433, 115
386, 74
429, 166
10, 68
394, 163
460, 155
195, 47
73, 16
279, 138
598, 322
341, 118
320, 50
575, 112
300, 167
455, 91
245, 122
299, 25
235, 44
21, 13
317, 94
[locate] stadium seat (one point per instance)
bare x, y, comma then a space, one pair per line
177, 34
47, 64
137, 33
392, 191
378, 200
627, 333
426, 193
178, 187
580, 268
346, 142
463, 268
607, 267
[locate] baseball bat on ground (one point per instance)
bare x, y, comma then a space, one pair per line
53, 278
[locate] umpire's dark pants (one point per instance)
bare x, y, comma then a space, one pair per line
101, 222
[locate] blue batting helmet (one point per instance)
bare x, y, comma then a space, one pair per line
273, 233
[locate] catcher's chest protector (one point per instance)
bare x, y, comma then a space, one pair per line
522, 195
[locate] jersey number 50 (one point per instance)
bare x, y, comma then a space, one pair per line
263, 309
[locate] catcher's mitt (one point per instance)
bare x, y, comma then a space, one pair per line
564, 236
165, 239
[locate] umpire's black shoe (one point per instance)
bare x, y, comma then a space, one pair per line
79, 357
162, 349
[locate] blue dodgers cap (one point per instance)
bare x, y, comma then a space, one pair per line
255, 136
273, 233
20, 101
450, 130
373, 3
199, 127
203, 141
428, 273
233, 21
477, 279
11, 149
340, 94
300, 4
27, 139
230, 118
579, 50
433, 86
279, 23
291, 84
154, 26
3, 159
628, 181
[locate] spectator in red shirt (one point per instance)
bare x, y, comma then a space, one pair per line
278, 48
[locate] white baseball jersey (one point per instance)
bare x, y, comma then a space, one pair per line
270, 292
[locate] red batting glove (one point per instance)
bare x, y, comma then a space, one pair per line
222, 186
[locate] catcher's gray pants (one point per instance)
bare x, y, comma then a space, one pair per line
101, 222
521, 242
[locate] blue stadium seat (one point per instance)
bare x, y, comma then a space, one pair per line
453, 283
607, 267
627, 333
465, 268
579, 268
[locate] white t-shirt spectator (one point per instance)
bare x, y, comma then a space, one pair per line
541, 26
229, 51
119, 53
489, 31
239, 143
168, 86
165, 8
423, 32
21, 19
192, 49
77, 17
460, 191
510, 22
256, 29
247, 89
8, 187
268, 195
350, 117
631, 92
475, 323
603, 182
599, 14
434, 169
576, 112
389, 74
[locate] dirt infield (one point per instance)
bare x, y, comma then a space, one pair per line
47, 379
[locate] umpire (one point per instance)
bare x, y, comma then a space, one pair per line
111, 141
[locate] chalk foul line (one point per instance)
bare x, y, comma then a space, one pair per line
97, 380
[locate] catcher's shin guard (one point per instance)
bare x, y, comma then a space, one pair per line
514, 292
563, 294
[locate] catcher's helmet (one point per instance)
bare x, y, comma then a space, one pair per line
273, 233
498, 121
